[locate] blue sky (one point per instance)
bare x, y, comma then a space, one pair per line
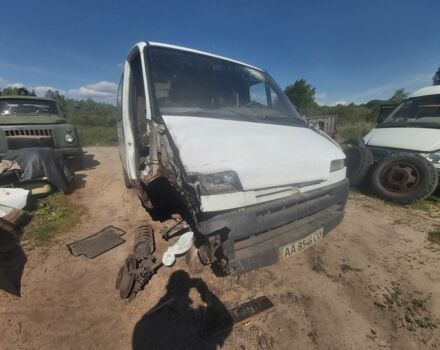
351, 51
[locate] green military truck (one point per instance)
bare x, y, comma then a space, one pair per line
30, 121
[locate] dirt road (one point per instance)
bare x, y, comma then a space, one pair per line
373, 283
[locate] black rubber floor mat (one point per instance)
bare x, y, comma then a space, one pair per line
98, 243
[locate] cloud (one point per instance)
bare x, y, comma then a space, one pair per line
385, 91
100, 90
321, 98
16, 85
41, 90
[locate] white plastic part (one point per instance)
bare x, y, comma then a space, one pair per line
181, 246
14, 197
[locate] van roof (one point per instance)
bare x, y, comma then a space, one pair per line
152, 43
429, 90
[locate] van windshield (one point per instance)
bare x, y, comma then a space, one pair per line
17, 106
189, 84
422, 111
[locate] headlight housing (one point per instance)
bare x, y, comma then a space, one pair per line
69, 138
223, 182
434, 157
337, 164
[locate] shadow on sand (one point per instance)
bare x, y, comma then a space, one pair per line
174, 322
12, 262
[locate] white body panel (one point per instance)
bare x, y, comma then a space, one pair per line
242, 199
415, 139
264, 156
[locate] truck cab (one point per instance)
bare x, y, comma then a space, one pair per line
30, 121
259, 184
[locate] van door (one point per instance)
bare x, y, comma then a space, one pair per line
133, 131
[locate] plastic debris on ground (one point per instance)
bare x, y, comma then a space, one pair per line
180, 247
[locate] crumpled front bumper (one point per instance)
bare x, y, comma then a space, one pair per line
252, 236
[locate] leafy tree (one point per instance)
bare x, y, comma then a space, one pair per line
398, 96
302, 95
436, 78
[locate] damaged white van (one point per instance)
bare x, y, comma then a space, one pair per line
257, 182
406, 148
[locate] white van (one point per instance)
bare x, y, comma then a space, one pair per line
406, 148
257, 182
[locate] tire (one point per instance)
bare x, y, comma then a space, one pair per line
358, 162
403, 178
127, 181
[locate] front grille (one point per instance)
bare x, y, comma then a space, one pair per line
22, 138
28, 132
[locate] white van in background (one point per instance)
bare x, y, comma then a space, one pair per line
406, 148
257, 183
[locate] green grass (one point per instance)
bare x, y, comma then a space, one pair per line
52, 216
434, 236
97, 135
354, 131
428, 205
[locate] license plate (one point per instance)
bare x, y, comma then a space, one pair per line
301, 245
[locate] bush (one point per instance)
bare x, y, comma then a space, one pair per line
97, 135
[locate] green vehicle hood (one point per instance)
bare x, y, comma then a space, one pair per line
31, 119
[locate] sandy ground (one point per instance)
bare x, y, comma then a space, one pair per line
373, 283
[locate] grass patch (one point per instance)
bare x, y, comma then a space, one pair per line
52, 216
428, 205
354, 131
434, 236
97, 135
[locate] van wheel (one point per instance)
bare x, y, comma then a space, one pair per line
127, 181
404, 178
359, 160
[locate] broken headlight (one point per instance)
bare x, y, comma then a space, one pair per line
434, 157
223, 182
337, 164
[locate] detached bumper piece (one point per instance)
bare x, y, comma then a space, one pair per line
250, 238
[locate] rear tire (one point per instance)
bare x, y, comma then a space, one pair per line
404, 178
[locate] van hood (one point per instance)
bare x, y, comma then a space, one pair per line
415, 139
262, 155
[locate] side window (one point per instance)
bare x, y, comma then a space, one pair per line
257, 94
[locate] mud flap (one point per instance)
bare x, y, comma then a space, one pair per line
359, 160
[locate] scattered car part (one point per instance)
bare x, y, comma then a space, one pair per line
358, 160
98, 243
177, 226
14, 197
404, 178
8, 165
37, 188
139, 266
11, 218
183, 244
250, 308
